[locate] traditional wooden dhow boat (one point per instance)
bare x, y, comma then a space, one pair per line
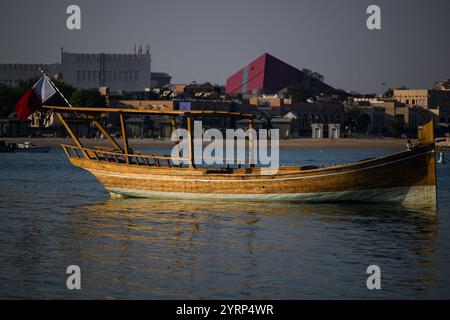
407, 177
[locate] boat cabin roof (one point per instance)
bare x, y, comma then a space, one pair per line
172, 113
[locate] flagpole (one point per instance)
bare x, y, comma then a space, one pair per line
96, 123
57, 90
55, 87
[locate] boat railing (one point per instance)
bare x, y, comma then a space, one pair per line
113, 155
106, 154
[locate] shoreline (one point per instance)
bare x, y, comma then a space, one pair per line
307, 143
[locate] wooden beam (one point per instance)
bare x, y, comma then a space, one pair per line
107, 135
193, 113
177, 143
72, 135
190, 130
124, 136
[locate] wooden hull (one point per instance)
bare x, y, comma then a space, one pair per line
406, 178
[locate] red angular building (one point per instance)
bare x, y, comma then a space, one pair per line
268, 74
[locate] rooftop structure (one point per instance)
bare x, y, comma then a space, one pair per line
268, 74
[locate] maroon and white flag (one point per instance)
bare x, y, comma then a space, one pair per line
34, 98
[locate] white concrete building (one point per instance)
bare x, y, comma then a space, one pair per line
119, 72
125, 72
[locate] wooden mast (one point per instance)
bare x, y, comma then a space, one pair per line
72, 135
96, 123
191, 139
177, 143
106, 134
124, 135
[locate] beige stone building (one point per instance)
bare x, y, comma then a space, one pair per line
435, 102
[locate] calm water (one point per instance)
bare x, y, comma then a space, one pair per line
54, 215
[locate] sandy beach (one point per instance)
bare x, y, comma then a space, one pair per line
376, 143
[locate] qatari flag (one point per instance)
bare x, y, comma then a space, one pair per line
34, 98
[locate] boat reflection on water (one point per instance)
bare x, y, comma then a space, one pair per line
144, 248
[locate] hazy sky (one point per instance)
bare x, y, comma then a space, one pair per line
208, 40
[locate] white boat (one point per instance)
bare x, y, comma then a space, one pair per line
29, 147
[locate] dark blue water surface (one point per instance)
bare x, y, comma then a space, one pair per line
54, 215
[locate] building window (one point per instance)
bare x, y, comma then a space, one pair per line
110, 76
94, 76
89, 76
83, 75
407, 101
78, 76
120, 75
135, 76
115, 75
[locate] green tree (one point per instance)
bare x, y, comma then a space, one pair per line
8, 99
87, 98
389, 93
66, 89
298, 93
9, 96
219, 90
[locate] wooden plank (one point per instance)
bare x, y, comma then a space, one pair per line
195, 113
72, 135
107, 135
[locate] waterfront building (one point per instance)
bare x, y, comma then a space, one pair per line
437, 102
318, 112
12, 73
118, 72
286, 126
376, 115
11, 127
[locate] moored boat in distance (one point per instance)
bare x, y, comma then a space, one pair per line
407, 177
29, 147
